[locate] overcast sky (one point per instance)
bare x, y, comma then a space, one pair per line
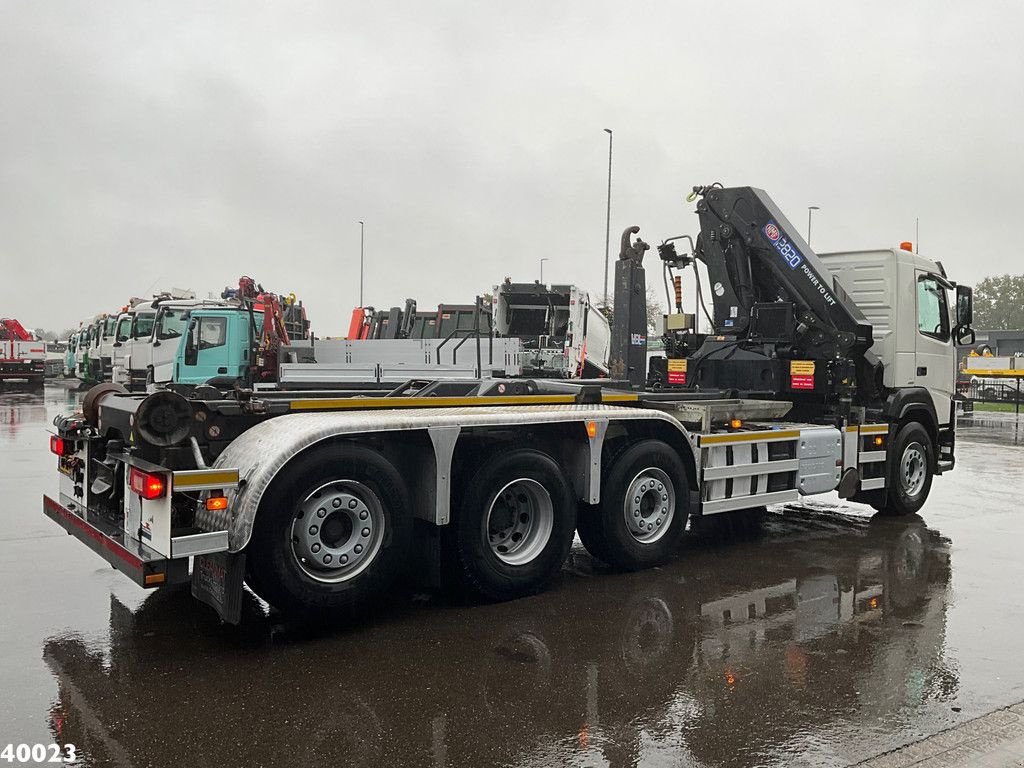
150, 145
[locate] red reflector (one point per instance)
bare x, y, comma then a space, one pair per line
57, 445
147, 484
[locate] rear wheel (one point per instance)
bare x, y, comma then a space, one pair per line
332, 534
910, 473
643, 510
515, 524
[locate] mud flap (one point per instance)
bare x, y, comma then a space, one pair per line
849, 483
217, 581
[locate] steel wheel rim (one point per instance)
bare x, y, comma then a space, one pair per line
337, 531
519, 521
913, 469
650, 505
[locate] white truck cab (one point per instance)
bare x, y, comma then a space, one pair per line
103, 347
907, 299
139, 330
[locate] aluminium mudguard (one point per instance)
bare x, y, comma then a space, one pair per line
260, 453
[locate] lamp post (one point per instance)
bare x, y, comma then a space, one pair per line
361, 229
810, 210
608, 219
542, 270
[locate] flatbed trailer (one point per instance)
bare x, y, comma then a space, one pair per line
321, 502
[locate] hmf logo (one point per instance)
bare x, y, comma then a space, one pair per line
785, 248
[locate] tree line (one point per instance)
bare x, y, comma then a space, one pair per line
999, 303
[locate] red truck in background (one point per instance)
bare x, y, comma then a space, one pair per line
22, 356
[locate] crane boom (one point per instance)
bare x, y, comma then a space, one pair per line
754, 255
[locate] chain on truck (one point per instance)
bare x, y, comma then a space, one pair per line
819, 374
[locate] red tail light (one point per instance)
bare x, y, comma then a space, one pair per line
58, 446
148, 485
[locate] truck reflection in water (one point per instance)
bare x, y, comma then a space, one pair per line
728, 656
17, 409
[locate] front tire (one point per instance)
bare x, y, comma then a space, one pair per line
910, 473
515, 524
332, 534
645, 500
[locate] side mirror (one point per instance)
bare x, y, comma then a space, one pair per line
964, 336
963, 333
964, 306
192, 343
117, 343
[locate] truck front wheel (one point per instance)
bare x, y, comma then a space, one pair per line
910, 474
515, 524
644, 505
332, 533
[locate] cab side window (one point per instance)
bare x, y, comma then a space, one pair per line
124, 329
932, 310
212, 331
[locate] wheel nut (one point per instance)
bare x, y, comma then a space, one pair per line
321, 512
664, 497
636, 500
363, 515
336, 503
327, 558
658, 521
315, 548
352, 503
359, 548
313, 530
650, 527
636, 513
643, 487
661, 487
343, 559
366, 532
664, 510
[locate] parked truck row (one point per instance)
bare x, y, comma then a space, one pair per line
177, 340
140, 346
819, 374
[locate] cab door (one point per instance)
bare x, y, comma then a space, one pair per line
205, 352
934, 354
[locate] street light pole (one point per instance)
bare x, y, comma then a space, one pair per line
810, 210
361, 229
608, 220
542, 270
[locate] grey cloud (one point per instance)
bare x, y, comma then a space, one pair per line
187, 143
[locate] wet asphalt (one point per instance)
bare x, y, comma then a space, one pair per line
821, 637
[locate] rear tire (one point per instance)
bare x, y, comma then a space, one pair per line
910, 473
645, 500
332, 533
515, 525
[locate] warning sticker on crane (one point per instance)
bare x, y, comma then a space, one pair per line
677, 371
801, 374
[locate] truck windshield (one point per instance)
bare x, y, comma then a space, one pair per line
108, 326
124, 328
143, 325
172, 323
